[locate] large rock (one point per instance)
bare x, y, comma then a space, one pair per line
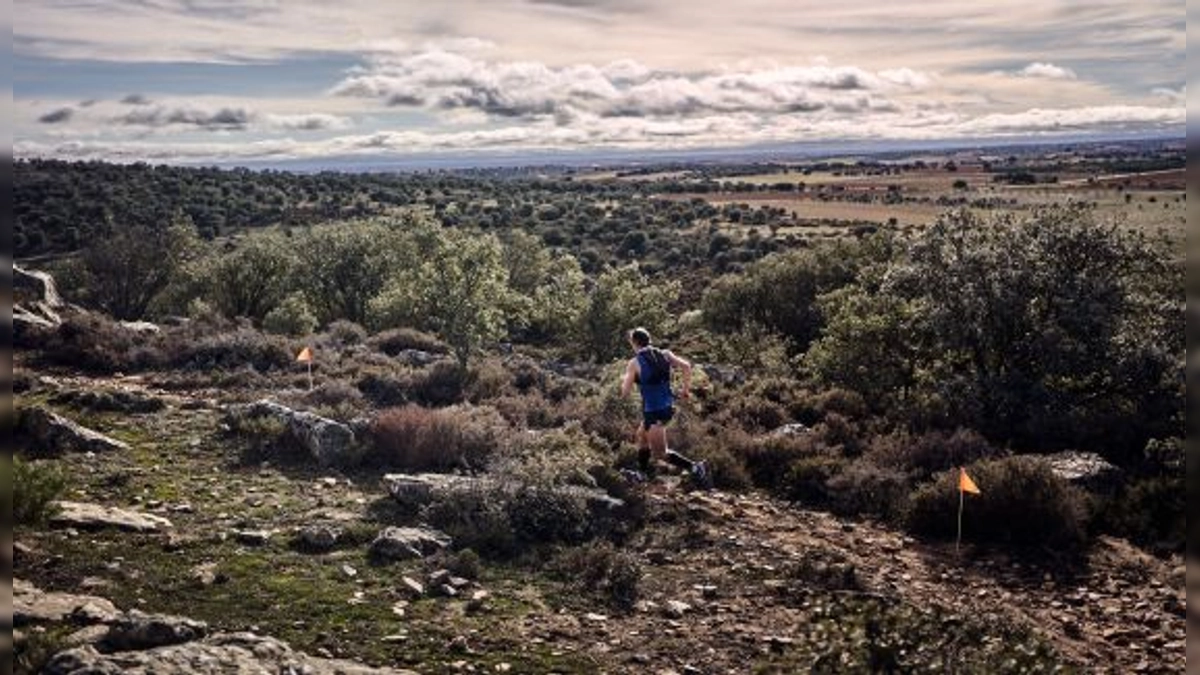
32, 605
138, 630
36, 302
403, 543
1085, 469
95, 516
50, 432
220, 654
328, 441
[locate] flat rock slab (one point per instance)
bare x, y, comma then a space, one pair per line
96, 516
219, 654
33, 605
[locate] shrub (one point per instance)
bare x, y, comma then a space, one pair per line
603, 569
474, 519
443, 383
768, 458
725, 470
541, 513
396, 340
233, 349
346, 333
413, 438
1022, 503
94, 343
35, 487
752, 413
553, 457
807, 480
1151, 512
384, 390
265, 436
864, 488
926, 454
466, 564
291, 317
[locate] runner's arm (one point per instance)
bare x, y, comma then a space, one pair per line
686, 368
629, 379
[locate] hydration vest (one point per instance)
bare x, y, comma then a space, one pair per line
654, 379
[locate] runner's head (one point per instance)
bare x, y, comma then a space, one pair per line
639, 337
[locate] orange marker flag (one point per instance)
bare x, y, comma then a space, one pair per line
965, 484
305, 356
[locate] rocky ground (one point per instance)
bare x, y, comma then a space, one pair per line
228, 557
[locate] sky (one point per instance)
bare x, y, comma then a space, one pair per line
244, 81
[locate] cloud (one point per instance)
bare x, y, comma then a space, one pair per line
440, 80
630, 133
223, 119
1178, 96
57, 116
135, 99
1047, 71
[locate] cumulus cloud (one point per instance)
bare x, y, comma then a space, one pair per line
57, 116
223, 119
135, 99
440, 80
1047, 71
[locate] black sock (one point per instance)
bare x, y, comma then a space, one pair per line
679, 460
644, 459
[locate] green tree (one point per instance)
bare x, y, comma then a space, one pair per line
623, 298
123, 271
253, 278
452, 283
342, 268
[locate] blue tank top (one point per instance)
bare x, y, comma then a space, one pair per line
654, 380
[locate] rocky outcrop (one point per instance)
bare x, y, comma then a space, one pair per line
138, 630
32, 605
36, 302
403, 543
96, 516
216, 655
50, 432
1087, 470
329, 442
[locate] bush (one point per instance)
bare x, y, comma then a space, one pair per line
767, 459
540, 513
864, 488
233, 349
94, 343
396, 340
553, 457
603, 569
35, 487
292, 317
384, 390
1151, 512
413, 438
474, 519
443, 383
346, 333
924, 455
1022, 503
807, 480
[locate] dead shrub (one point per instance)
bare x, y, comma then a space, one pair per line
240, 347
441, 384
345, 333
553, 457
807, 480
768, 458
95, 343
414, 438
384, 390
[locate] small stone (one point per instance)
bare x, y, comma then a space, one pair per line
595, 618
412, 587
438, 577
349, 571
448, 591
675, 609
478, 600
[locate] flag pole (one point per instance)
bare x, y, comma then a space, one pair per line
958, 540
